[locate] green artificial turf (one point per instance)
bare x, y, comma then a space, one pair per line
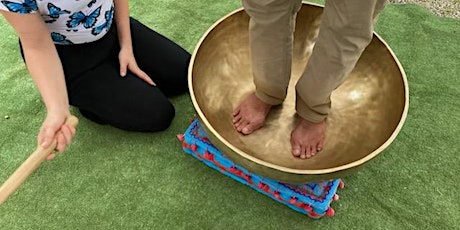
111, 179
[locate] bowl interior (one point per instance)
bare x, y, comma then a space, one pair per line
366, 109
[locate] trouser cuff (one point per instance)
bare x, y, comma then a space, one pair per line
268, 99
309, 114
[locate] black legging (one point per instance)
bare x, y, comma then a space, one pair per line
94, 85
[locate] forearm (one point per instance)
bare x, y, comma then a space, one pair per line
121, 17
46, 70
41, 58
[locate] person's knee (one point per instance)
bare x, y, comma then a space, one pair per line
154, 119
161, 119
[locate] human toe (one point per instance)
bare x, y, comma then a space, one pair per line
312, 151
236, 111
241, 125
296, 151
320, 146
303, 152
248, 129
236, 118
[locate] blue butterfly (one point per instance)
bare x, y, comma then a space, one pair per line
60, 39
55, 12
91, 3
79, 17
106, 25
23, 8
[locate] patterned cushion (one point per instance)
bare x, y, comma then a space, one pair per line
312, 199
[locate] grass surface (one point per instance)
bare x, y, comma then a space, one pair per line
111, 179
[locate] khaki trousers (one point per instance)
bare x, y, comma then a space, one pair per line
345, 31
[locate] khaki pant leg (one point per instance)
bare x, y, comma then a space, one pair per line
271, 28
345, 31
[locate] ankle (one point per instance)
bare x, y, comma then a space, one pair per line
305, 122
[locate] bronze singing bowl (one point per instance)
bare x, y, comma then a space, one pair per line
368, 109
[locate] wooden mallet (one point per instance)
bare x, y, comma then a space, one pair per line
29, 166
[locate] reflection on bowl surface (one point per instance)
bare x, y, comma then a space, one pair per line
368, 109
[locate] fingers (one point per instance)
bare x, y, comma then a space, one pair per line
47, 135
128, 62
123, 68
51, 132
64, 137
137, 71
61, 142
142, 75
51, 156
68, 132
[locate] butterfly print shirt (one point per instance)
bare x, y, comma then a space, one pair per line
69, 21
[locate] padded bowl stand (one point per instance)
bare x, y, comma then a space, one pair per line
312, 199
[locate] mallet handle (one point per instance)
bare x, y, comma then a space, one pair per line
29, 166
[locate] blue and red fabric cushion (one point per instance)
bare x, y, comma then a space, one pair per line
312, 199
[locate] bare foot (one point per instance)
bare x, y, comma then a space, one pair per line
250, 114
307, 139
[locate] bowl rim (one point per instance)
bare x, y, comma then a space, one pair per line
287, 169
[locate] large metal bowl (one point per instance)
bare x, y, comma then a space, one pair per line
368, 110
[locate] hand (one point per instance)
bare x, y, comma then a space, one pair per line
53, 128
127, 61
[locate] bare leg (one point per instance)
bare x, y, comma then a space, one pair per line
250, 114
